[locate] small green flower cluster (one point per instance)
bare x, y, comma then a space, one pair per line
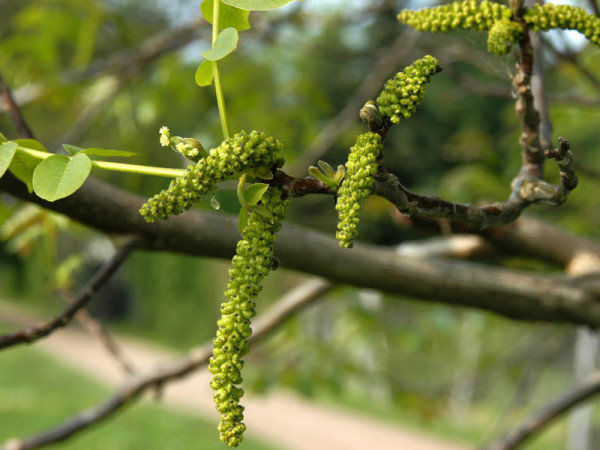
405, 91
356, 186
547, 16
252, 262
467, 15
228, 161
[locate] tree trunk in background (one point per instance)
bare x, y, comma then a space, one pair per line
584, 362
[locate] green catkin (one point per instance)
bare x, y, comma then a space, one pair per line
468, 15
405, 91
228, 161
548, 16
252, 262
357, 186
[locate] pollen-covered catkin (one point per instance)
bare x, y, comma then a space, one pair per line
252, 262
405, 91
357, 186
469, 14
228, 161
548, 16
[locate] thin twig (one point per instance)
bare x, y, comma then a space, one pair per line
85, 294
132, 388
544, 417
11, 106
97, 329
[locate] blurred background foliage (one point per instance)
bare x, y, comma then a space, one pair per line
461, 373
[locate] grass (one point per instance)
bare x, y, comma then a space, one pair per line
37, 393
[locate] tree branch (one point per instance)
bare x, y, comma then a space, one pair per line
517, 294
11, 106
131, 389
86, 293
544, 417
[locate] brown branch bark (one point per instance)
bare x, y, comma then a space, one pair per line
132, 388
544, 417
516, 294
16, 116
41, 330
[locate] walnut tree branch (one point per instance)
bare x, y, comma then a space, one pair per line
132, 388
43, 329
517, 294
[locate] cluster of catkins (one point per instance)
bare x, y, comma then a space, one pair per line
468, 15
548, 16
399, 100
228, 161
357, 186
498, 20
252, 262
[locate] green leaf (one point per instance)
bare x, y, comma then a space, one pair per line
22, 167
7, 151
326, 168
204, 74
254, 193
240, 190
229, 16
225, 43
31, 144
242, 219
264, 213
258, 5
107, 152
73, 149
2, 138
59, 176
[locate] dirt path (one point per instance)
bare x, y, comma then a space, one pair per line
282, 418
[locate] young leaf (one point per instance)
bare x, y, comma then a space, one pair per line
31, 144
242, 219
257, 5
315, 172
2, 138
229, 16
204, 74
72, 149
240, 190
226, 43
254, 193
326, 168
7, 151
263, 212
107, 152
59, 176
22, 167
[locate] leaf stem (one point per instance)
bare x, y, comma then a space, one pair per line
116, 167
216, 76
